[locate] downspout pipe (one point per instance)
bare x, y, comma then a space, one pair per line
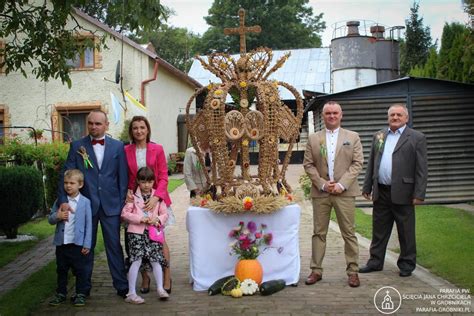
145, 82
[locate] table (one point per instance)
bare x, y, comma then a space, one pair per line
209, 251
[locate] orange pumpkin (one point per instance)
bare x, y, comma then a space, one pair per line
249, 269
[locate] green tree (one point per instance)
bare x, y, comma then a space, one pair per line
285, 24
415, 50
456, 59
37, 34
429, 69
468, 57
469, 9
450, 32
176, 45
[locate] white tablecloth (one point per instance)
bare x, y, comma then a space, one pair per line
209, 245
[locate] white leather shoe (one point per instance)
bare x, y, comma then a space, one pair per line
162, 294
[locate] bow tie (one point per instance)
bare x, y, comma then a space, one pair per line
98, 141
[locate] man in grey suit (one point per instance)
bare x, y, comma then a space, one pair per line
332, 160
396, 177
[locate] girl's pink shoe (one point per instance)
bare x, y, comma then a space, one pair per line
134, 299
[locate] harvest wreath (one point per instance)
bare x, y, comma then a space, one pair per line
258, 117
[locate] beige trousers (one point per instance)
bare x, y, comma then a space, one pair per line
345, 213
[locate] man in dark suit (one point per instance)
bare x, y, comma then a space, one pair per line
332, 160
102, 160
396, 177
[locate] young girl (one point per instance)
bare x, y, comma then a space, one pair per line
139, 243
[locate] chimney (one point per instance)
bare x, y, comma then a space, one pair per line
353, 28
377, 31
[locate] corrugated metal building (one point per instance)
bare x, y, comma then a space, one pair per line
442, 110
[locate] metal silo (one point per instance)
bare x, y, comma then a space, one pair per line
353, 60
387, 54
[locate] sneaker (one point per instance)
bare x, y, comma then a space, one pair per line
79, 300
134, 299
163, 295
57, 300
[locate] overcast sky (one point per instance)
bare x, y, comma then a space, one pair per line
190, 13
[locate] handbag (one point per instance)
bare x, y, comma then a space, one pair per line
156, 234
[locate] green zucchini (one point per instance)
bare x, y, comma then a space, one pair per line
271, 287
216, 287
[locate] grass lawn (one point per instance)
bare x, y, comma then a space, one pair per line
174, 183
35, 289
39, 228
443, 241
41, 284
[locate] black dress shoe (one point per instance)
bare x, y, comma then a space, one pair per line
145, 290
405, 274
171, 285
122, 293
368, 269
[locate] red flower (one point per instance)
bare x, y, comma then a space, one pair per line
258, 235
203, 202
245, 244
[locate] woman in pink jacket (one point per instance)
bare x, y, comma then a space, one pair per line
143, 153
140, 245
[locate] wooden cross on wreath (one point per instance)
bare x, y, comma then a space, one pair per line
241, 30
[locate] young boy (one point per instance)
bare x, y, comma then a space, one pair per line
72, 239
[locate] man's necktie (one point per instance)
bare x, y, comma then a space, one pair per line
98, 141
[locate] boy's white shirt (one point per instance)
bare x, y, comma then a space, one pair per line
70, 223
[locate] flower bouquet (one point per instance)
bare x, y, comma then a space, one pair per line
248, 240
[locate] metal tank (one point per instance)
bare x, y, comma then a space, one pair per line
387, 52
353, 60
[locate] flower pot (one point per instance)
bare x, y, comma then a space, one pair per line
249, 269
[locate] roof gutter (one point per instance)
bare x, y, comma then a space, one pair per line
145, 82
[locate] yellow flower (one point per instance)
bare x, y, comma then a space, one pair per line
248, 199
218, 92
209, 86
247, 203
243, 84
245, 142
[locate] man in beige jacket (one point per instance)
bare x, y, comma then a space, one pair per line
332, 160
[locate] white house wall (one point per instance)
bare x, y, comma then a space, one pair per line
166, 97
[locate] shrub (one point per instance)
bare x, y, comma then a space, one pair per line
53, 157
49, 157
171, 166
21, 193
305, 183
124, 134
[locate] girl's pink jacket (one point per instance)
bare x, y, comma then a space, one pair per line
132, 213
